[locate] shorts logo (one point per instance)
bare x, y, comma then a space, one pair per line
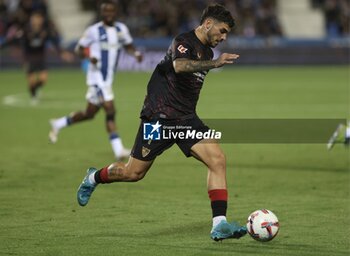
152, 131
182, 49
145, 151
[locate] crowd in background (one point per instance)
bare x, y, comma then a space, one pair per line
158, 18
337, 16
15, 14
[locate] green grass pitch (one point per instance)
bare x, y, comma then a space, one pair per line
168, 212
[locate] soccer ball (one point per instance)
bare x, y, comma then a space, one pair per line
262, 225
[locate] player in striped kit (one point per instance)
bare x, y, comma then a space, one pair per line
103, 40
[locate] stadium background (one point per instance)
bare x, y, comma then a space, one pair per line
294, 65
268, 31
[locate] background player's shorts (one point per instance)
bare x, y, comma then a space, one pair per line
147, 150
34, 66
97, 95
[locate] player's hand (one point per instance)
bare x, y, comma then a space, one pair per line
138, 56
93, 60
67, 56
226, 58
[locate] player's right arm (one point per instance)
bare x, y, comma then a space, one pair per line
17, 36
82, 48
83, 53
187, 65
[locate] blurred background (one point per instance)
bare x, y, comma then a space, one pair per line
267, 32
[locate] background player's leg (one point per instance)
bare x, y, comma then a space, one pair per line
42, 78
88, 114
31, 81
36, 80
114, 137
76, 117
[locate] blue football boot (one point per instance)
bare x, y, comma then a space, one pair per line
226, 230
86, 188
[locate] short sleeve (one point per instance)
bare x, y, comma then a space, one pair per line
87, 38
181, 49
124, 36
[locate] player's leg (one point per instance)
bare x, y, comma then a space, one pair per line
143, 154
32, 81
114, 137
340, 135
210, 153
76, 117
36, 77
132, 171
42, 78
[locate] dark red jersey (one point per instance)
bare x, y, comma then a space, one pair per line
173, 95
34, 43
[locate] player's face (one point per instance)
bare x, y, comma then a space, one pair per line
108, 14
36, 21
217, 32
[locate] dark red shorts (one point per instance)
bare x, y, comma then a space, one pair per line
147, 148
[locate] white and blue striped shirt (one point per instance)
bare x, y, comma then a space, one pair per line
104, 43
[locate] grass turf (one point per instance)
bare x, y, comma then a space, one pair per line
168, 213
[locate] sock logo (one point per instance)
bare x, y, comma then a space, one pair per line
152, 131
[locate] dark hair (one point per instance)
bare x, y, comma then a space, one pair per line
218, 12
107, 2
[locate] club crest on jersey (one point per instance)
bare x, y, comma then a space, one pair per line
182, 49
145, 151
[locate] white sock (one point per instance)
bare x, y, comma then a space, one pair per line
218, 219
117, 146
92, 178
59, 123
347, 134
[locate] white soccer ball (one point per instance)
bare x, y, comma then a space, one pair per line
262, 225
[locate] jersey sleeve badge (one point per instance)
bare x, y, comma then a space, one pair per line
182, 49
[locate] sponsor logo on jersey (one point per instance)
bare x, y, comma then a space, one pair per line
182, 49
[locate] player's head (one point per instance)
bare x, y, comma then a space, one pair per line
217, 21
108, 11
37, 20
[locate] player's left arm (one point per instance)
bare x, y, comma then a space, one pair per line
15, 38
183, 52
130, 49
126, 40
183, 65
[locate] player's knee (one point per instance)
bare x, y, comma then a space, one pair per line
89, 115
217, 161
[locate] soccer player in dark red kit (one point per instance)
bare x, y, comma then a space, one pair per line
171, 100
34, 37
